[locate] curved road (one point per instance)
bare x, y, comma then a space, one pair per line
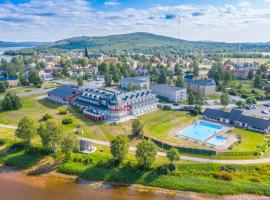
189, 158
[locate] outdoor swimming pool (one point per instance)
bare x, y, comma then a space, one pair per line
217, 140
202, 131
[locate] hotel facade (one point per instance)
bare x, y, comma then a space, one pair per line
115, 106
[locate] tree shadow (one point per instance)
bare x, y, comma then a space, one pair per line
123, 174
17, 156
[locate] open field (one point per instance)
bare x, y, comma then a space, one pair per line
250, 140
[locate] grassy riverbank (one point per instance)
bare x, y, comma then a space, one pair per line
204, 178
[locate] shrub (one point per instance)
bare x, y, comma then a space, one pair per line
67, 120
166, 107
255, 179
226, 176
46, 117
63, 110
2, 142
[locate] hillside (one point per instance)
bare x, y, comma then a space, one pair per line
147, 43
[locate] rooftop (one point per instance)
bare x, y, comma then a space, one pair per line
65, 91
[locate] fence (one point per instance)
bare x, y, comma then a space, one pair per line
183, 149
237, 153
197, 151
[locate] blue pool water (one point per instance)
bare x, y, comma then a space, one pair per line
201, 131
218, 140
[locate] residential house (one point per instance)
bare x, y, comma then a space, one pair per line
12, 81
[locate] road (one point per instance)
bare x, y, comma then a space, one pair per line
35, 92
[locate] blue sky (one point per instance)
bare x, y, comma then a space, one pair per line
219, 20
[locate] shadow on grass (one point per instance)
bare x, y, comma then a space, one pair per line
123, 174
45, 102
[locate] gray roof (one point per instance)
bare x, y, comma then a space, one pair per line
167, 87
65, 91
236, 115
215, 113
255, 122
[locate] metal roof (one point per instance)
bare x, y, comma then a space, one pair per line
65, 91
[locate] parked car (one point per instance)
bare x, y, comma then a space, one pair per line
264, 112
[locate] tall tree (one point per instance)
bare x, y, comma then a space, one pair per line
250, 74
146, 153
179, 81
173, 155
162, 77
51, 133
11, 102
119, 148
2, 87
34, 78
80, 81
225, 99
136, 128
108, 79
69, 143
26, 130
258, 83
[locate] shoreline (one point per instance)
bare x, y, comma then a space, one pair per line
136, 187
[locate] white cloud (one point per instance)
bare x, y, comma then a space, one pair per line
52, 20
111, 4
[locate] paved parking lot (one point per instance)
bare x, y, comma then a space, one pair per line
258, 111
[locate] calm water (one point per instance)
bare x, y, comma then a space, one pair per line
2, 50
15, 185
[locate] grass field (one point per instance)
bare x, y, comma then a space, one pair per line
19, 90
250, 140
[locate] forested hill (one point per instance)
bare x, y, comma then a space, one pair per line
147, 43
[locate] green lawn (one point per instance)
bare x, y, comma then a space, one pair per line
250, 140
19, 90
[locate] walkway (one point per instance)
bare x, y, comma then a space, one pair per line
189, 158
195, 159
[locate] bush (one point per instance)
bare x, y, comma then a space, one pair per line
46, 117
226, 176
2, 142
255, 179
166, 107
67, 120
63, 110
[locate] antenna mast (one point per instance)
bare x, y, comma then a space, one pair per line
179, 22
